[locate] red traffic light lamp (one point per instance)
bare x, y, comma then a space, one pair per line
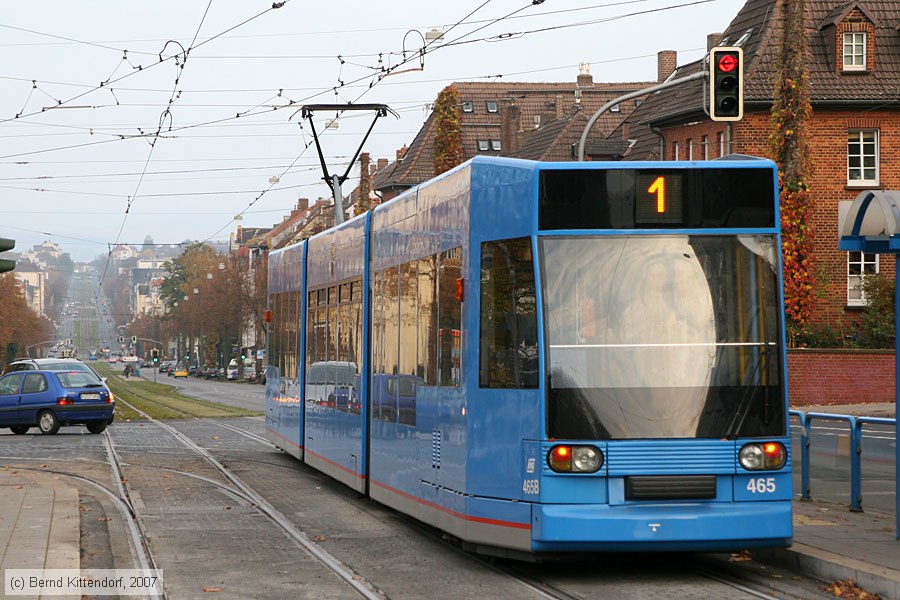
726, 83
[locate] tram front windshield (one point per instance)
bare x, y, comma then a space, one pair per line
672, 336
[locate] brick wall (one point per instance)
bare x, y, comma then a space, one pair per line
820, 377
828, 133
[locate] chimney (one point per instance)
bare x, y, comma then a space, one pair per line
365, 184
302, 204
382, 163
509, 128
666, 61
560, 108
401, 153
712, 40
585, 79
548, 114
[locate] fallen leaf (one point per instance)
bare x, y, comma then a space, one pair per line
215, 437
104, 519
742, 556
848, 590
207, 588
320, 538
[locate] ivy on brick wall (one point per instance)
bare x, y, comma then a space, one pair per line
790, 148
448, 150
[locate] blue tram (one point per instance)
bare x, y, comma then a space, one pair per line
548, 357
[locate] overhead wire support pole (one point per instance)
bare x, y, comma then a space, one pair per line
655, 88
335, 181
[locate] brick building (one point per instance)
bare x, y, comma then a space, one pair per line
854, 85
540, 121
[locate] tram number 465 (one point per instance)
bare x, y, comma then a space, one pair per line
761, 485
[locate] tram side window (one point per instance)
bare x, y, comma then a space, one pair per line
333, 346
509, 351
416, 321
449, 317
427, 304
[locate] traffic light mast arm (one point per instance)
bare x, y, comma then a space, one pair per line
654, 88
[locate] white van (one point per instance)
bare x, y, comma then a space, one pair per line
231, 372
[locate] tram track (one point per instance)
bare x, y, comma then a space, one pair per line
354, 580
136, 534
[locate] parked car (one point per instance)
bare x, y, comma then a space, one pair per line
51, 364
180, 371
51, 399
232, 371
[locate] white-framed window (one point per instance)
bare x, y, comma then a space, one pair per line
690, 149
615, 108
495, 145
484, 145
674, 150
468, 106
705, 143
721, 144
855, 51
862, 157
859, 264
491, 106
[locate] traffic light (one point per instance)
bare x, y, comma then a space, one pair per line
154, 354
243, 353
5, 263
726, 83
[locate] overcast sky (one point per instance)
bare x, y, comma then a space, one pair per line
93, 137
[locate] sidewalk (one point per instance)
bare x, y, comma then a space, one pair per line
832, 544
39, 523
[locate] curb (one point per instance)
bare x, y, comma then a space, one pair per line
827, 566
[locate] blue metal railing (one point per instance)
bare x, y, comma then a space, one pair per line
855, 427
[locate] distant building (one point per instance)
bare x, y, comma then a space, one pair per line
32, 280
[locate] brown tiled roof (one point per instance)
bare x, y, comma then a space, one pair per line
827, 84
566, 101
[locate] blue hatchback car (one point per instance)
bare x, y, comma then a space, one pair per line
49, 399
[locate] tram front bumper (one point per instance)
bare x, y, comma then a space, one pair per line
698, 526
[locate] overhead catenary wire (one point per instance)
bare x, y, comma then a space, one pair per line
234, 121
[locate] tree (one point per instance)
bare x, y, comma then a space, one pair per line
19, 325
448, 150
790, 148
204, 303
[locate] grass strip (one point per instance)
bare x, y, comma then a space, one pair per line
162, 401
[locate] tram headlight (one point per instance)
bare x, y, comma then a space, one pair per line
575, 459
763, 456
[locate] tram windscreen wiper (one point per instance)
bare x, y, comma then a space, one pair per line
749, 393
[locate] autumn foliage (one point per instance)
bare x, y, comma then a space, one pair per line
790, 148
448, 150
19, 325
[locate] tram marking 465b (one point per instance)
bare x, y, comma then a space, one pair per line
611, 332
